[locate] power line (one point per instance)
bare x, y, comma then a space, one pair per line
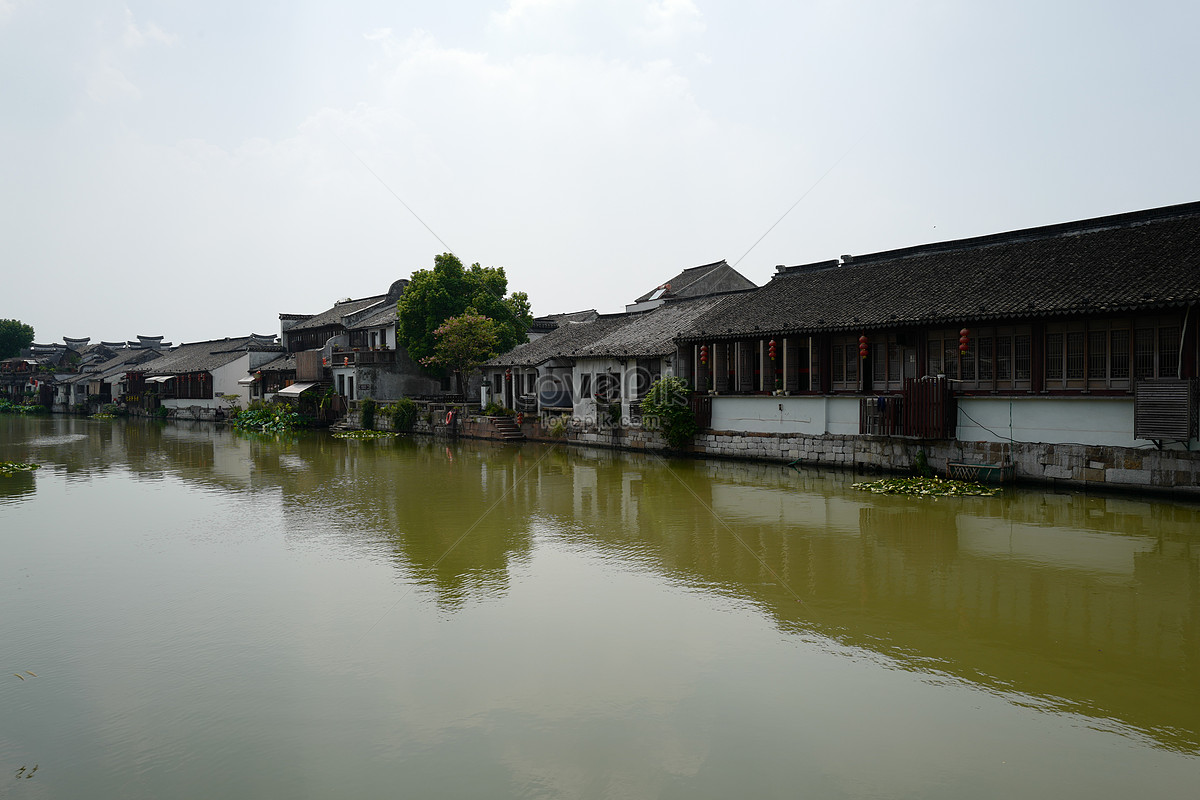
382, 182
793, 205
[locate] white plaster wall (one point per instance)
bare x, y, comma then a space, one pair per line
809, 415
841, 416
763, 414
347, 373
1058, 420
225, 381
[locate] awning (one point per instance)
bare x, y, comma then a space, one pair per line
159, 379
295, 390
246, 381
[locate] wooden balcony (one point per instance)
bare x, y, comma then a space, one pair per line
352, 358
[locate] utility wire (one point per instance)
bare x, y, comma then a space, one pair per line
407, 207
525, 326
503, 496
793, 205
717, 517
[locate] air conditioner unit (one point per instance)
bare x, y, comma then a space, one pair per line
1166, 409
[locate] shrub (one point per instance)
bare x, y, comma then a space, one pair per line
614, 413
367, 414
666, 404
558, 428
403, 413
494, 409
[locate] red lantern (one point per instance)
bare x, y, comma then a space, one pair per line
964, 340
508, 374
703, 354
520, 418
862, 346
771, 349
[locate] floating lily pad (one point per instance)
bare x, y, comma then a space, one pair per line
928, 487
9, 468
365, 435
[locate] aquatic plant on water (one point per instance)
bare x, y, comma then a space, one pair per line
927, 487
270, 419
365, 435
10, 468
9, 407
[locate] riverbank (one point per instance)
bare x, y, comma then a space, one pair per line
1073, 466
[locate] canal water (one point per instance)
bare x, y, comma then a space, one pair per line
187, 612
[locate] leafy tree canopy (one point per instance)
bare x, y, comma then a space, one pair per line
14, 336
450, 290
463, 343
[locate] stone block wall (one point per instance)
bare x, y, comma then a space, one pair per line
1071, 465
1076, 465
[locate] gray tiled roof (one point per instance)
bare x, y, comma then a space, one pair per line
1142, 260
562, 341
284, 363
652, 333
703, 280
641, 335
200, 356
334, 316
127, 358
377, 319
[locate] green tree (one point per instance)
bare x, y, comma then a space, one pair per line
666, 407
462, 343
450, 290
14, 335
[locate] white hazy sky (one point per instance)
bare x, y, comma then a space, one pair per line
192, 169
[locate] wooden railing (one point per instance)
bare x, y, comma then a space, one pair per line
346, 358
926, 409
701, 405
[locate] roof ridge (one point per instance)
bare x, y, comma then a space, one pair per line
1126, 219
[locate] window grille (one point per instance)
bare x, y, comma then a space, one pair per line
1075, 355
1054, 356
1097, 355
1168, 352
1143, 353
1119, 354
1023, 348
985, 358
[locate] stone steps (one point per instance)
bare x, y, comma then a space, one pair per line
508, 429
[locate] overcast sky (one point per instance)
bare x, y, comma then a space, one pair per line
192, 169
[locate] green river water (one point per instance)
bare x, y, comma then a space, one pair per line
211, 615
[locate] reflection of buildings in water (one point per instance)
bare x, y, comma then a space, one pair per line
456, 523
1089, 603
1092, 604
16, 486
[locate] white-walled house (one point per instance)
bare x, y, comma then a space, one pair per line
1041, 335
205, 376
591, 366
359, 353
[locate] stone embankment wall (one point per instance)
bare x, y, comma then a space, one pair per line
1076, 465
1071, 465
